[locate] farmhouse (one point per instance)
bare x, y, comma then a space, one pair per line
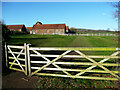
17, 28
40, 28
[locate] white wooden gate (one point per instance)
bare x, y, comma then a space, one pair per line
65, 62
16, 57
57, 63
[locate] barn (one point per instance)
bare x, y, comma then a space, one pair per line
40, 28
17, 28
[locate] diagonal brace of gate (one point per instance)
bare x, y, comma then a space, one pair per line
97, 64
16, 59
51, 61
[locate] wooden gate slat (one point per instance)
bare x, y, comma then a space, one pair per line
77, 63
16, 64
73, 56
77, 70
51, 61
114, 54
96, 64
20, 59
83, 77
16, 59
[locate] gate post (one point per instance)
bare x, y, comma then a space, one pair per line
25, 48
28, 59
6, 54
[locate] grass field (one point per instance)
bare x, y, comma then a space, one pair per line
65, 41
68, 41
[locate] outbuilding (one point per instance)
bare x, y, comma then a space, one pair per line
18, 28
40, 28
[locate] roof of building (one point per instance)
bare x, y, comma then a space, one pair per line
38, 22
49, 26
15, 26
29, 28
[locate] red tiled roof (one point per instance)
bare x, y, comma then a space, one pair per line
49, 26
67, 27
29, 28
14, 26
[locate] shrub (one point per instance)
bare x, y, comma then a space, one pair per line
5, 38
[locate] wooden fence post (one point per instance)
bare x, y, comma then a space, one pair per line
28, 60
6, 54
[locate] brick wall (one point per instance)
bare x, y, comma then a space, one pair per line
50, 31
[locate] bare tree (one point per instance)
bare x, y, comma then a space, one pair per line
116, 5
116, 13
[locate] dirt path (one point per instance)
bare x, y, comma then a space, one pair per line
18, 80
80, 42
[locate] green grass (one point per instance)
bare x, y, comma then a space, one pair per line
68, 41
103, 41
65, 41
43, 40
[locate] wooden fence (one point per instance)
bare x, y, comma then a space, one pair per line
87, 63
90, 34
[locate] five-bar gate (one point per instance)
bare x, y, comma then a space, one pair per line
87, 63
16, 57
